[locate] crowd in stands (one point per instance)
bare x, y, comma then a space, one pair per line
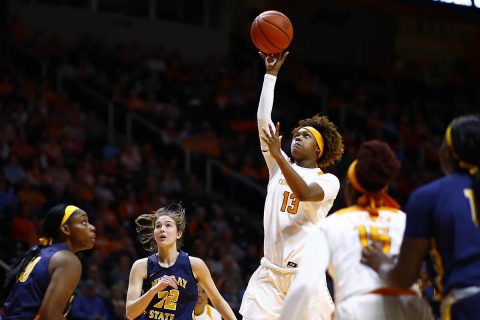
55, 148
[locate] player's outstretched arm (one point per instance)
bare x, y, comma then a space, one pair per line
202, 274
265, 105
137, 303
66, 271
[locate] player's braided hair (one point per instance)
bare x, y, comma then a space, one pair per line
146, 225
377, 165
333, 144
50, 229
465, 134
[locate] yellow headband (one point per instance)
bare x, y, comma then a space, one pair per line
69, 210
318, 137
472, 169
353, 177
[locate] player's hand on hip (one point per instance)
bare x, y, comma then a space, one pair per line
273, 61
273, 139
374, 257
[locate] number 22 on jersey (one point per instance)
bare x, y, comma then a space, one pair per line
168, 299
374, 234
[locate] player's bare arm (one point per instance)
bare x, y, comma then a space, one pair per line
202, 274
65, 270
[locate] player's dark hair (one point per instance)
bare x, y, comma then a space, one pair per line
50, 229
465, 133
333, 144
377, 165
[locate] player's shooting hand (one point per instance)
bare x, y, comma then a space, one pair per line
165, 281
273, 139
273, 61
374, 257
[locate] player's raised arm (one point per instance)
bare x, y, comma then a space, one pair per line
273, 64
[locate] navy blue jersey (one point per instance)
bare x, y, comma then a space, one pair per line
171, 303
444, 212
26, 295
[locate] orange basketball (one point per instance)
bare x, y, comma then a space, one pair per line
271, 32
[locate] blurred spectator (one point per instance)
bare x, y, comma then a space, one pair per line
89, 305
22, 227
13, 171
117, 300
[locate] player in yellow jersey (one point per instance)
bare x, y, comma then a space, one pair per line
373, 219
299, 196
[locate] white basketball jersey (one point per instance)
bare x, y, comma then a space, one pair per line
337, 243
349, 230
288, 221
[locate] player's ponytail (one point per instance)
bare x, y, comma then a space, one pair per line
50, 232
463, 139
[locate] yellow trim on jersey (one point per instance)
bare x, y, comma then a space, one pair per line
69, 210
362, 209
391, 209
447, 312
349, 209
438, 265
318, 137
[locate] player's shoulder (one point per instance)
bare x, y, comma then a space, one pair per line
326, 178
327, 175
196, 262
66, 261
140, 263
65, 257
431, 189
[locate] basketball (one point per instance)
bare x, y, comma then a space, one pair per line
271, 32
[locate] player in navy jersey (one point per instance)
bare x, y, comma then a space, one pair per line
164, 285
443, 219
41, 284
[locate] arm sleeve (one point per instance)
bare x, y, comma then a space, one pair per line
313, 264
419, 214
264, 118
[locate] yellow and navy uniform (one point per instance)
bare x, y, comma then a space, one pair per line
171, 303
27, 294
444, 212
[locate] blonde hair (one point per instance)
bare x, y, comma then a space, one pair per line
146, 225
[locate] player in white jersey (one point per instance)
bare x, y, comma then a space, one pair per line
337, 244
204, 311
299, 196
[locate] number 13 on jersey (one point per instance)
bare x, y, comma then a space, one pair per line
290, 203
380, 235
